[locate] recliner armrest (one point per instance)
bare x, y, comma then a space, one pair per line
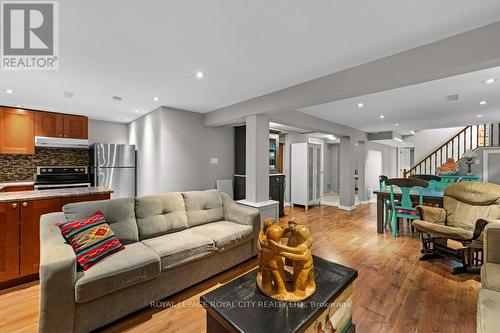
432, 214
58, 274
492, 242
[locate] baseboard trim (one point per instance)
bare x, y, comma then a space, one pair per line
347, 208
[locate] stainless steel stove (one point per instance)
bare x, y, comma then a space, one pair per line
57, 177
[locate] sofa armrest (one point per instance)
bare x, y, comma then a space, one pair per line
242, 215
492, 242
58, 275
432, 214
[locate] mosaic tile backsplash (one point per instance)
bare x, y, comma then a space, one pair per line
23, 167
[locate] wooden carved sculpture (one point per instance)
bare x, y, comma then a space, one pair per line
285, 261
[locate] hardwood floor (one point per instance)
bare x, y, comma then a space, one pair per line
394, 292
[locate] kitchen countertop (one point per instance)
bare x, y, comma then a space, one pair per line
8, 184
50, 194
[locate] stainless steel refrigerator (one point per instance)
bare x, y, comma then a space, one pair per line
113, 166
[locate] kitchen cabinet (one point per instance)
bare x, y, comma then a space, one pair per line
17, 131
48, 124
75, 127
17, 188
20, 233
61, 125
9, 241
29, 231
276, 189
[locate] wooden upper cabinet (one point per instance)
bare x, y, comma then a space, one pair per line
48, 124
17, 131
58, 125
75, 127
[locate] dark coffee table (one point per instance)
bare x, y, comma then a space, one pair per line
240, 306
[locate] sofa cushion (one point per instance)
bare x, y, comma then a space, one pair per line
136, 264
488, 303
490, 276
203, 207
91, 238
442, 230
224, 233
181, 247
119, 214
160, 214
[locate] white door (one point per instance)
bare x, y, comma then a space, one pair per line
491, 166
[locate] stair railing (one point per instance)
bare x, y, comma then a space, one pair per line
470, 137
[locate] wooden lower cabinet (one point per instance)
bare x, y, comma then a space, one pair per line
20, 233
29, 226
9, 241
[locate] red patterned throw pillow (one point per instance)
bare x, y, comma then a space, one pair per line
91, 238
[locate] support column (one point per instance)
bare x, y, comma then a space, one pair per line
257, 158
257, 168
362, 189
346, 173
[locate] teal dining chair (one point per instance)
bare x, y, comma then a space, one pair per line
405, 208
387, 203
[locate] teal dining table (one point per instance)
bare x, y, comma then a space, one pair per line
431, 195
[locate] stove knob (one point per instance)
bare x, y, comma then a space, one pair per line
76, 169
49, 170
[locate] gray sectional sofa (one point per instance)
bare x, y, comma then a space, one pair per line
172, 241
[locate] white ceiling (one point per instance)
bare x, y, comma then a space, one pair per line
421, 106
138, 49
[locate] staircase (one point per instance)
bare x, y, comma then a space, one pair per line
471, 137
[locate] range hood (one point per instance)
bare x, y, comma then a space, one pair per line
44, 141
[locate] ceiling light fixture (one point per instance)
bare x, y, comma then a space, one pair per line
360, 105
200, 74
381, 116
483, 103
396, 125
479, 115
136, 111
331, 137
412, 132
9, 91
156, 99
490, 81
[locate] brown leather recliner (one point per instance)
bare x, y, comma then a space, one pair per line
468, 207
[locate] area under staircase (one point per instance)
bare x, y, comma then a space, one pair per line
469, 138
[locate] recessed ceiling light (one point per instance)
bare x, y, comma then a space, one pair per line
396, 125
483, 103
200, 74
331, 137
479, 115
156, 99
9, 91
136, 111
360, 105
490, 81
412, 132
381, 116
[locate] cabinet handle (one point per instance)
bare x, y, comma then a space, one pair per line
25, 204
14, 205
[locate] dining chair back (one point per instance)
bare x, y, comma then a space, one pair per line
405, 208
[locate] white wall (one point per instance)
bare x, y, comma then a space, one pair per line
107, 132
426, 141
174, 151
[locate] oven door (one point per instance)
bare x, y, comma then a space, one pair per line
59, 186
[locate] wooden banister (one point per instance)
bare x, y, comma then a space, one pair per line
456, 147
